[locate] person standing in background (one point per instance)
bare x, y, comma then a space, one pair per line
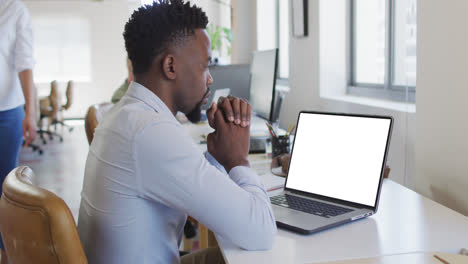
119, 93
17, 91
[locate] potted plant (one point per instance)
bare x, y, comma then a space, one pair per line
217, 34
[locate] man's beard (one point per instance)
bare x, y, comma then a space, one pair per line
194, 116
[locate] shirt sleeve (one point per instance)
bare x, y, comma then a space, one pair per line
172, 170
24, 59
214, 162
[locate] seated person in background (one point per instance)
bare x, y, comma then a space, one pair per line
144, 174
119, 93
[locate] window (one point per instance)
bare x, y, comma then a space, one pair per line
219, 24
383, 49
62, 49
273, 31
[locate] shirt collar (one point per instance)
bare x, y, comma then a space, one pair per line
143, 94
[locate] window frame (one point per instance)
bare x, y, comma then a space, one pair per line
281, 80
387, 90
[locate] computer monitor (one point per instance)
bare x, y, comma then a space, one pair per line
262, 83
234, 76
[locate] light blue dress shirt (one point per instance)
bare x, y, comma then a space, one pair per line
144, 175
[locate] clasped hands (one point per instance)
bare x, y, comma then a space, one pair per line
229, 143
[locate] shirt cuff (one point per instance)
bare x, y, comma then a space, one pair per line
214, 162
243, 175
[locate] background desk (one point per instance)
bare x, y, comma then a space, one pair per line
406, 222
413, 258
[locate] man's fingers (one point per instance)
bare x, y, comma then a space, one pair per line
245, 112
249, 111
220, 120
225, 104
210, 115
236, 108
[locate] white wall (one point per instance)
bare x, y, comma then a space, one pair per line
244, 28
108, 55
442, 127
318, 70
108, 66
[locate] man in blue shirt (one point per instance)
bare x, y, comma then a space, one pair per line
144, 174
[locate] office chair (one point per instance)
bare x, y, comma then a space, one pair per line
93, 116
59, 118
34, 147
48, 108
36, 225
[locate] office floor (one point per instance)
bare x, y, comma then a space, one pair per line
60, 169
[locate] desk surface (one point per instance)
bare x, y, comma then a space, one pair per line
406, 222
413, 258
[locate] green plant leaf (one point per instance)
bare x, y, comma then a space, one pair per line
214, 32
217, 34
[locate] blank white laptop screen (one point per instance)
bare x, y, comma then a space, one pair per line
339, 156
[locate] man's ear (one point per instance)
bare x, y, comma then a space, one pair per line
169, 67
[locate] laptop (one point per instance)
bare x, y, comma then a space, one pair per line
335, 171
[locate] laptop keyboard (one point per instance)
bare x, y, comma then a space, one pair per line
309, 206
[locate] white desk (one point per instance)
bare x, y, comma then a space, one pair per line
406, 222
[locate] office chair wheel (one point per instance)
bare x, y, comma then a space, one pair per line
40, 152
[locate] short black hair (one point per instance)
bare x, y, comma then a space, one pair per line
153, 28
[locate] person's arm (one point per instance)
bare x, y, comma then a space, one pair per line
172, 170
29, 91
24, 63
119, 93
230, 107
